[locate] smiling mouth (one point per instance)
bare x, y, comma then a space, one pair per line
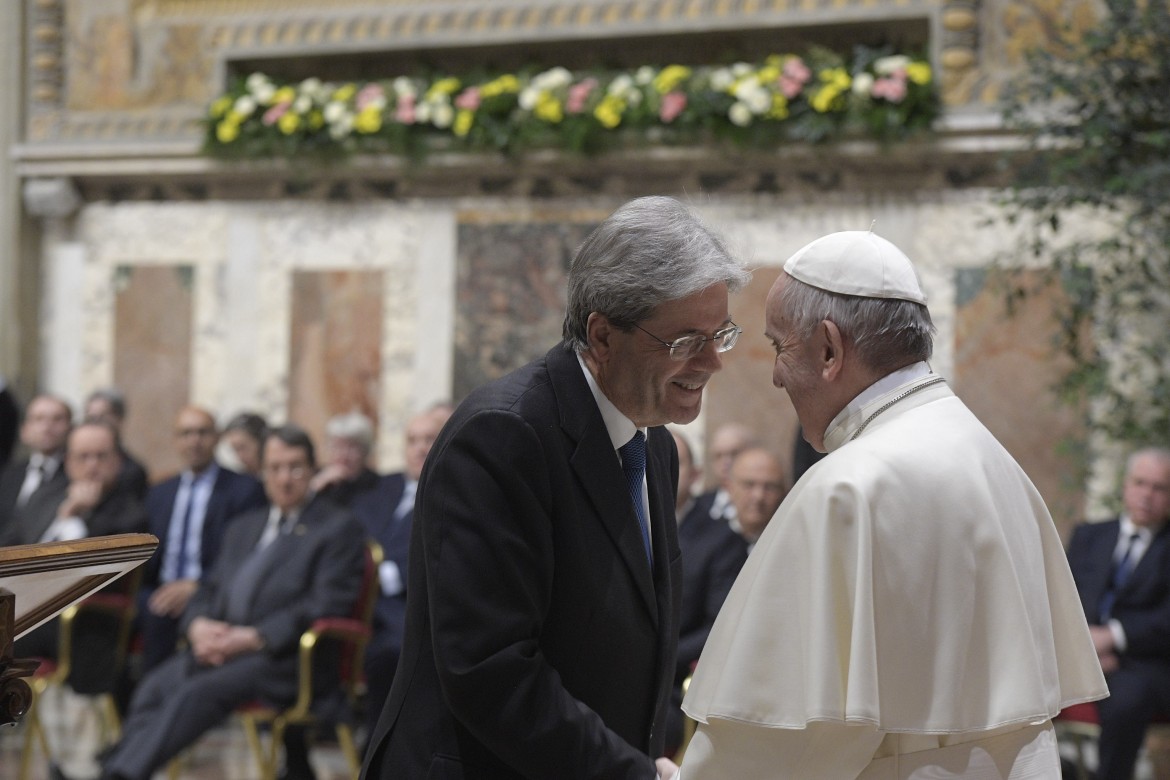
690, 385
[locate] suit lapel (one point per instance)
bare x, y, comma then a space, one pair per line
597, 467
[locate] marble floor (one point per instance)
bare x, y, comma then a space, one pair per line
74, 731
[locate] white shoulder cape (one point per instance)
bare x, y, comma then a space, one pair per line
913, 579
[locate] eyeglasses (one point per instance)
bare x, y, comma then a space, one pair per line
294, 470
686, 347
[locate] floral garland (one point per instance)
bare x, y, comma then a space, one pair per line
787, 97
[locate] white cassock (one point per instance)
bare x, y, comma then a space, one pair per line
908, 613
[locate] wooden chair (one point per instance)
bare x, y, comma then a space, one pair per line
117, 606
348, 637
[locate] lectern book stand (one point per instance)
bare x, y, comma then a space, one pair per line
39, 581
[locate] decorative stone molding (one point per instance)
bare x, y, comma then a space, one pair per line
51, 198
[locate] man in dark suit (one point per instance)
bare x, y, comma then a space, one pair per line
542, 615
346, 474
1122, 571
189, 514
387, 512
31, 488
108, 405
712, 555
279, 569
728, 441
9, 421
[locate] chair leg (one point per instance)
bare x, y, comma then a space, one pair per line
349, 749
265, 759
34, 735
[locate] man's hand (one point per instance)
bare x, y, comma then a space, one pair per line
329, 475
666, 768
171, 598
205, 636
82, 496
1102, 640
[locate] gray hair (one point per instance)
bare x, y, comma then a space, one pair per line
650, 251
353, 426
1160, 453
887, 333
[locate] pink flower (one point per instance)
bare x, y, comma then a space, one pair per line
368, 94
673, 104
891, 89
795, 69
273, 115
790, 87
579, 94
468, 99
404, 112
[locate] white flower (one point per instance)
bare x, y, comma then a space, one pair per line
887, 65
634, 97
740, 114
645, 75
264, 93
443, 116
528, 97
314, 88
621, 84
863, 84
334, 111
302, 104
422, 113
721, 79
404, 87
257, 81
758, 100
557, 77
741, 69
341, 127
244, 106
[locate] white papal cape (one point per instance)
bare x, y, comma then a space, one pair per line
908, 613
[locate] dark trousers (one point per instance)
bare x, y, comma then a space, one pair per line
1138, 691
179, 701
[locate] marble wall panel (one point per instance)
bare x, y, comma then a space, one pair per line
335, 364
1005, 372
152, 357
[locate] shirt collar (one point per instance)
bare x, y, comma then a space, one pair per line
853, 409
1128, 529
189, 477
619, 427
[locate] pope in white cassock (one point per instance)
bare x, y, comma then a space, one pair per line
909, 612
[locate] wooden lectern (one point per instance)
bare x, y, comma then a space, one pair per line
38, 581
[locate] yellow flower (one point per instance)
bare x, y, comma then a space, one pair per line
918, 72
609, 111
779, 109
227, 131
670, 77
549, 108
776, 60
837, 78
220, 106
284, 95
316, 120
463, 122
368, 120
289, 123
822, 102
447, 86
506, 84
769, 74
345, 92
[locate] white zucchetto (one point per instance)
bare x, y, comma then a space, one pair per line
857, 262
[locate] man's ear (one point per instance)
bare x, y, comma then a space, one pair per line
599, 330
831, 349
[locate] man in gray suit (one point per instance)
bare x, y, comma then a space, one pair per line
280, 568
32, 487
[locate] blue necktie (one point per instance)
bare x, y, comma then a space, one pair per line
184, 532
633, 455
1121, 573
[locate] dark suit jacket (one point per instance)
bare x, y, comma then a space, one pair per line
712, 555
539, 642
231, 495
1143, 603
375, 510
31, 520
315, 572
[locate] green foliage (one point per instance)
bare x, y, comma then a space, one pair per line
809, 98
1096, 109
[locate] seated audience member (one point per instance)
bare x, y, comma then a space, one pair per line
346, 474
727, 442
109, 406
712, 555
757, 487
9, 421
279, 569
31, 488
1122, 571
803, 456
189, 514
387, 513
95, 503
243, 437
